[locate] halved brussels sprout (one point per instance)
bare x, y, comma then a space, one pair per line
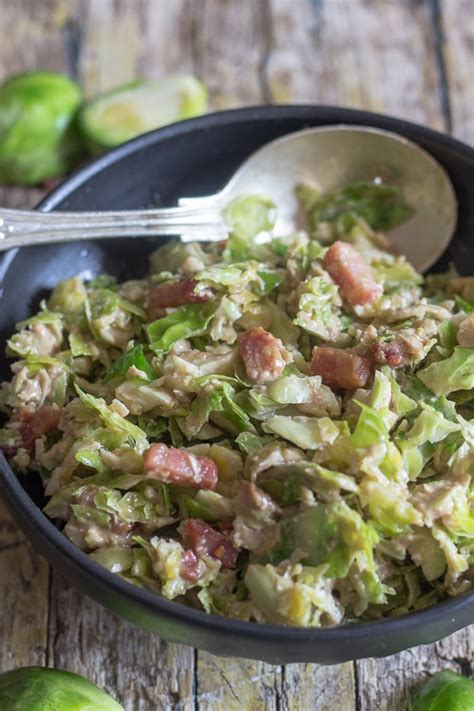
132, 109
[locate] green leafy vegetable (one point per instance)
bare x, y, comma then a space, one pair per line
446, 691
464, 305
381, 206
270, 281
333, 534
430, 426
91, 459
305, 432
294, 388
38, 137
184, 322
69, 296
112, 420
42, 689
396, 274
453, 373
220, 400
134, 357
370, 428
317, 312
247, 217
80, 347
131, 109
249, 442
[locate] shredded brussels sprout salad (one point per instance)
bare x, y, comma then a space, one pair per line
271, 429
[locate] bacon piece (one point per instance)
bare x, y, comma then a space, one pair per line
35, 425
163, 296
9, 452
225, 526
352, 274
178, 466
264, 355
393, 354
206, 541
190, 568
340, 368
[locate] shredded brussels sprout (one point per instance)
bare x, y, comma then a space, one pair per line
280, 430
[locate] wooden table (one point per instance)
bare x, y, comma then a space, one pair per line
410, 58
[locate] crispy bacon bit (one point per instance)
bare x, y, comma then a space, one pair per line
264, 355
225, 526
340, 368
163, 296
352, 274
9, 452
35, 425
190, 569
177, 466
393, 354
206, 541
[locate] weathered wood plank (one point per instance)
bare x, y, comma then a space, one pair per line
457, 40
110, 40
230, 46
366, 54
141, 670
32, 36
170, 28
24, 581
236, 684
122, 41
386, 684
310, 686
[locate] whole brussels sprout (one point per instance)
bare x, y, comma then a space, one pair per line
446, 691
38, 135
40, 689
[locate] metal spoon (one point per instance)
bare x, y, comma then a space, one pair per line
330, 156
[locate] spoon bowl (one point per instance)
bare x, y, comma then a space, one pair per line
332, 157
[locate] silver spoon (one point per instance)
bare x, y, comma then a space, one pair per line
330, 156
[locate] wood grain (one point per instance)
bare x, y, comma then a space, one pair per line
457, 46
311, 686
24, 576
236, 684
411, 58
24, 582
366, 54
32, 36
231, 45
136, 667
387, 684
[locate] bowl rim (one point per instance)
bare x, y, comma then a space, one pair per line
254, 113
55, 539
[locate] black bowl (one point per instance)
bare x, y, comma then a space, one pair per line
194, 158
